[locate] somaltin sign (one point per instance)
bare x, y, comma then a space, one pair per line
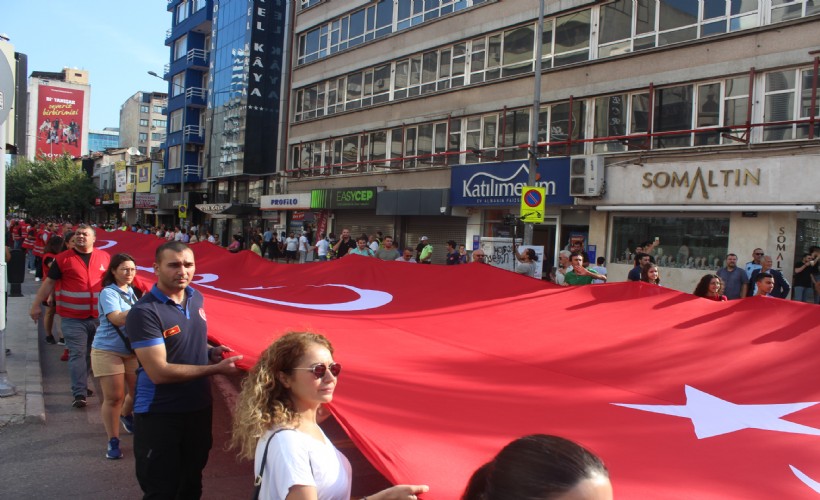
500, 184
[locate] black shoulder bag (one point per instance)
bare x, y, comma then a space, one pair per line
257, 482
125, 339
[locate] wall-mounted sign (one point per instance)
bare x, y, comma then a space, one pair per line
343, 198
296, 201
146, 200
126, 200
501, 184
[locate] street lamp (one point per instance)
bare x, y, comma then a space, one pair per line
182, 146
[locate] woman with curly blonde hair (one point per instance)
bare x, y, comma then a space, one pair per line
276, 424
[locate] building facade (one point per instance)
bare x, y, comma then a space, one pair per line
226, 88
58, 117
100, 140
143, 122
16, 103
695, 122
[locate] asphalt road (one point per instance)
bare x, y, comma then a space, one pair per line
65, 457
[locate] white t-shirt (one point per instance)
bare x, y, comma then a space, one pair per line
374, 246
303, 243
295, 458
291, 244
322, 246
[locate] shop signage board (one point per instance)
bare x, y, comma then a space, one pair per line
295, 201
126, 200
333, 199
502, 184
146, 200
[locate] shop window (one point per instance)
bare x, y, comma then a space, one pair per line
685, 242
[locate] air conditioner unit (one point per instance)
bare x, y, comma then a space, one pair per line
586, 175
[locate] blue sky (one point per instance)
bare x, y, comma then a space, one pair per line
118, 42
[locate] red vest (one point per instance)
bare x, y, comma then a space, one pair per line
79, 288
28, 243
39, 243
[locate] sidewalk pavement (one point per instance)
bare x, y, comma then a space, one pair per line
23, 363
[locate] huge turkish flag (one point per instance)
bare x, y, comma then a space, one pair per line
682, 397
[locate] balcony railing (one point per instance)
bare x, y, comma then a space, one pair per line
197, 58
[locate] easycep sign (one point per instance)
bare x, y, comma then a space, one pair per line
343, 198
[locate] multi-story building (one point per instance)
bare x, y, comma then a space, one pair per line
16, 102
100, 140
58, 113
694, 122
143, 121
224, 123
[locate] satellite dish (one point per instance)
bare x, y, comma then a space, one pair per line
134, 151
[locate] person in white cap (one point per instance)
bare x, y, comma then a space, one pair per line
424, 251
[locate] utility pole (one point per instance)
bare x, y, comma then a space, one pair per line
536, 111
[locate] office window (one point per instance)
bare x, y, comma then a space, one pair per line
182, 12
788, 97
144, 108
178, 84
673, 111
156, 137
175, 121
159, 109
572, 34
180, 47
143, 136
158, 123
143, 123
199, 4
174, 156
516, 132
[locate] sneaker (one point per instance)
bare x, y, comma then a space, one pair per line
79, 402
113, 452
61, 341
36, 279
127, 423
32, 271
64, 357
50, 339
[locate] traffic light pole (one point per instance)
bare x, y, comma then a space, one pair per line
536, 111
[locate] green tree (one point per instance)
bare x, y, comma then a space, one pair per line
50, 188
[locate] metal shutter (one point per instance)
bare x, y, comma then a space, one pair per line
363, 222
438, 230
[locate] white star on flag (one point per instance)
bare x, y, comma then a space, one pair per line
713, 416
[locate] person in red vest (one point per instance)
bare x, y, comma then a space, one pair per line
42, 237
28, 245
76, 276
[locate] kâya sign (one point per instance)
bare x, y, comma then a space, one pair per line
732, 181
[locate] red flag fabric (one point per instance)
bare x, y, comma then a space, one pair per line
682, 397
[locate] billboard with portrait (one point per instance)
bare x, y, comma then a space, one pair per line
59, 122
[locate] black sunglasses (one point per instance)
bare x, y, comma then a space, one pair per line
320, 369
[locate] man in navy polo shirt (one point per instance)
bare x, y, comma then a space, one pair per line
172, 407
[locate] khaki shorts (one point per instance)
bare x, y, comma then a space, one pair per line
105, 363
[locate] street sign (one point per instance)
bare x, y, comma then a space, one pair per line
533, 203
183, 211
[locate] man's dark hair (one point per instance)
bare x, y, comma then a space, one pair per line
639, 256
762, 276
174, 246
452, 243
600, 261
576, 253
731, 255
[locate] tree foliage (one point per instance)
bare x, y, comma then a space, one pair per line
50, 188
